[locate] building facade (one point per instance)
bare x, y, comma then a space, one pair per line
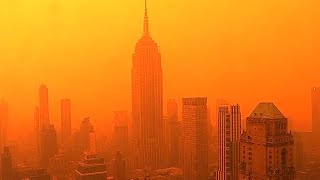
49, 146
147, 102
266, 148
195, 136
6, 165
43, 106
174, 133
229, 131
4, 117
315, 100
121, 132
65, 122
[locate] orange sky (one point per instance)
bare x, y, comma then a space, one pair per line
246, 51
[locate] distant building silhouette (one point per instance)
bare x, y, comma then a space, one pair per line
299, 151
121, 136
119, 167
43, 106
49, 145
6, 165
85, 129
315, 100
194, 125
174, 133
37, 129
229, 130
267, 149
65, 122
147, 102
4, 116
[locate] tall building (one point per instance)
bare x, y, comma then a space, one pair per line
37, 128
119, 167
4, 116
85, 129
266, 148
48, 138
229, 129
65, 121
299, 151
121, 136
6, 165
147, 102
194, 124
315, 100
43, 107
174, 132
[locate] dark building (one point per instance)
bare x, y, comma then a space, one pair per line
6, 165
48, 145
119, 167
85, 129
174, 133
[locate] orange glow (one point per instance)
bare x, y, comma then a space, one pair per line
245, 51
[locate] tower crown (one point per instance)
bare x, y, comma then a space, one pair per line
146, 32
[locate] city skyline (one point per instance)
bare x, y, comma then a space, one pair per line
177, 122
209, 59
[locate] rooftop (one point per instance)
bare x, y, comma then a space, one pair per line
266, 110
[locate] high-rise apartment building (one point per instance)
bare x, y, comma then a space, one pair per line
147, 102
266, 148
195, 135
229, 131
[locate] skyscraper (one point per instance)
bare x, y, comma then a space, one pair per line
315, 99
147, 102
43, 106
48, 139
266, 148
4, 116
121, 137
194, 125
65, 121
174, 132
37, 128
229, 129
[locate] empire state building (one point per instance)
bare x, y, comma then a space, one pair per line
147, 102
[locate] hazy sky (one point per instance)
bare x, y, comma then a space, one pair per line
246, 51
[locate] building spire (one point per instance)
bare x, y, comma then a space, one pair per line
146, 21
